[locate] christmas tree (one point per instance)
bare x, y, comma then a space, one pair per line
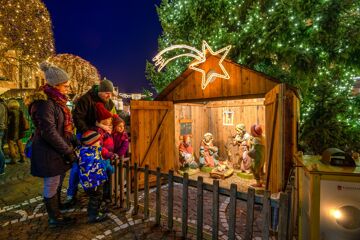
313, 45
26, 36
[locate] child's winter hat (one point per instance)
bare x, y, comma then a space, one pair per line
90, 137
53, 74
117, 120
256, 130
101, 112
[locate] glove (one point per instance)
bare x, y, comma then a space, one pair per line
70, 158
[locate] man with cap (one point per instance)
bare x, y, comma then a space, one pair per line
84, 115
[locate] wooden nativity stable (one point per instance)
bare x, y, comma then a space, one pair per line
183, 107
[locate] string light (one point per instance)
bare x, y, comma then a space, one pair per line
25, 28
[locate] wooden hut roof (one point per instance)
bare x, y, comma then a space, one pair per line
243, 83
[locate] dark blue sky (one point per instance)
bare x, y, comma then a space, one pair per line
116, 36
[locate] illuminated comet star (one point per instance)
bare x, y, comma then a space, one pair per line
200, 57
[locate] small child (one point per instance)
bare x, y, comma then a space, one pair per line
121, 139
104, 127
92, 173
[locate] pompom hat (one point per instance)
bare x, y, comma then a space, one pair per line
53, 74
101, 112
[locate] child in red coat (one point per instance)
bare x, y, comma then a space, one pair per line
104, 128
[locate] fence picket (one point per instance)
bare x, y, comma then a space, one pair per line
283, 216
232, 211
185, 205
200, 209
170, 199
121, 184
250, 214
128, 185
146, 192
266, 215
158, 196
215, 210
136, 190
115, 185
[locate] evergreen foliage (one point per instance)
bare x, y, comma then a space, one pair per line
313, 45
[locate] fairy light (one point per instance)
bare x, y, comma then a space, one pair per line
26, 28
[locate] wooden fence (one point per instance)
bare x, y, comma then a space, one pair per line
126, 172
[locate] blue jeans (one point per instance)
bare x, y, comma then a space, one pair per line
74, 180
2, 156
52, 185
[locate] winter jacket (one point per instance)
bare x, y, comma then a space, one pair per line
121, 143
84, 114
107, 143
17, 124
3, 116
92, 168
49, 142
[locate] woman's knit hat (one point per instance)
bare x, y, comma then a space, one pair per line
90, 137
101, 112
256, 130
53, 74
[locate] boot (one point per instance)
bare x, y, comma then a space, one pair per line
55, 217
61, 206
69, 202
94, 215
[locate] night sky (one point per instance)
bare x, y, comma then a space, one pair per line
117, 37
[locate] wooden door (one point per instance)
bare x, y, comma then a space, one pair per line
152, 135
274, 130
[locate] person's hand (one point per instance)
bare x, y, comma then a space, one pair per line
70, 158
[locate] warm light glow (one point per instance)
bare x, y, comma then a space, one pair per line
200, 58
207, 78
336, 213
161, 62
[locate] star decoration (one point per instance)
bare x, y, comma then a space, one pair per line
211, 75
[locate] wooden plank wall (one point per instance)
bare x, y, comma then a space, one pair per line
209, 118
146, 118
242, 82
247, 111
277, 156
198, 113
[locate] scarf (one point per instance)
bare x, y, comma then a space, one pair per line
106, 128
61, 100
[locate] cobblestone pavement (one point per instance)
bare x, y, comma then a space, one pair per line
23, 215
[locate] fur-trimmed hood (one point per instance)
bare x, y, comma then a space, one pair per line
37, 96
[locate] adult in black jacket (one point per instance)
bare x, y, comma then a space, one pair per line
84, 115
52, 151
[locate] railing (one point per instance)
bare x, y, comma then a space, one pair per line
283, 204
